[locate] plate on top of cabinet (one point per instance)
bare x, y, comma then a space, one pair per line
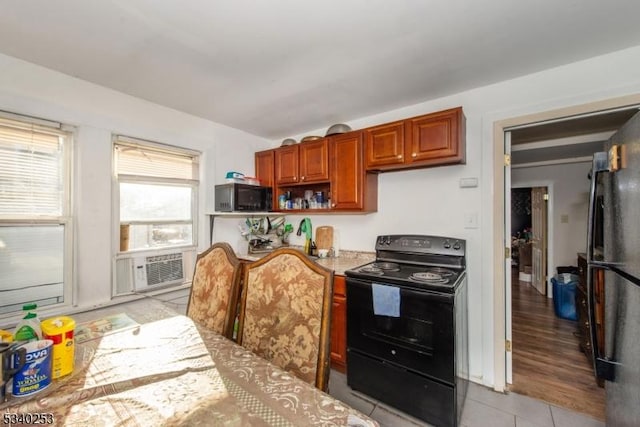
310, 138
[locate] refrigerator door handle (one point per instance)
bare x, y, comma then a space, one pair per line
603, 368
600, 164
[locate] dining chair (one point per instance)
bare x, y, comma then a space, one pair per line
285, 314
215, 289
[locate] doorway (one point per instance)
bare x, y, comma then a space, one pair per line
502, 176
547, 363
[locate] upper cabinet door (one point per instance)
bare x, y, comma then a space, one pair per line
265, 167
437, 138
347, 171
314, 161
287, 165
384, 145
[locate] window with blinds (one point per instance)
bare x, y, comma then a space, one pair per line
34, 213
157, 193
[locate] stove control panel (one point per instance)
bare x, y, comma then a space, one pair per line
421, 244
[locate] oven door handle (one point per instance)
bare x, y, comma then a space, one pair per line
397, 343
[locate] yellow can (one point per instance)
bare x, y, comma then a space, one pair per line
5, 336
60, 330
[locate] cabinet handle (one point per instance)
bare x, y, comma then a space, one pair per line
333, 205
399, 156
302, 178
414, 155
295, 178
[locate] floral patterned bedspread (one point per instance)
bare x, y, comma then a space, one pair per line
173, 372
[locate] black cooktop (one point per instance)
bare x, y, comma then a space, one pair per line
422, 262
440, 279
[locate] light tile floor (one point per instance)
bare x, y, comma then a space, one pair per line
483, 407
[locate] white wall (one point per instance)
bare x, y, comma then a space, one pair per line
97, 113
570, 197
423, 201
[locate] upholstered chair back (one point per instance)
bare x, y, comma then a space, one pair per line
285, 314
215, 289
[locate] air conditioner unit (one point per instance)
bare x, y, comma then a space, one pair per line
155, 270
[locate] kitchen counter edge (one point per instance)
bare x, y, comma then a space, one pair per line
346, 261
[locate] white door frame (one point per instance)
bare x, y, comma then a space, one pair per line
498, 201
507, 260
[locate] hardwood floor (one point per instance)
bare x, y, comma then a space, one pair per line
547, 363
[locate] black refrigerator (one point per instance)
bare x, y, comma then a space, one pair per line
613, 245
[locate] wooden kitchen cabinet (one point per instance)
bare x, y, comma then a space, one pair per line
583, 310
430, 140
344, 167
314, 161
265, 167
333, 166
351, 187
304, 163
265, 170
385, 145
339, 325
286, 165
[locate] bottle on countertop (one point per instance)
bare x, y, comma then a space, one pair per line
29, 327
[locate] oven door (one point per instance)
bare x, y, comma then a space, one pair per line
421, 339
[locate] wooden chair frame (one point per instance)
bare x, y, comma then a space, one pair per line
232, 309
324, 343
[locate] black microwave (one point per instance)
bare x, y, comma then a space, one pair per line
234, 197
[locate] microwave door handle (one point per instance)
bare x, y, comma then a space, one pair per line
603, 368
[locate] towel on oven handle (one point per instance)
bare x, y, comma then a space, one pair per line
386, 300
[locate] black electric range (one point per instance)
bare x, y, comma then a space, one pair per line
407, 339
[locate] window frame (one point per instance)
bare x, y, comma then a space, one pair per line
66, 218
194, 184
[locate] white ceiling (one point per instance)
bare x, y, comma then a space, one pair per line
278, 68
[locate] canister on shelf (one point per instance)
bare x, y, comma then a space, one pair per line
60, 330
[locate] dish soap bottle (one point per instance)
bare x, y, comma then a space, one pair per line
29, 327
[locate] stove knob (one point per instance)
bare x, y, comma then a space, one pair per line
456, 246
447, 245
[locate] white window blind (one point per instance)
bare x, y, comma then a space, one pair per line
34, 207
140, 160
31, 170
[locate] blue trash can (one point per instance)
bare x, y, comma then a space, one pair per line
564, 295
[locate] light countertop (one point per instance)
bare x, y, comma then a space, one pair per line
339, 264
